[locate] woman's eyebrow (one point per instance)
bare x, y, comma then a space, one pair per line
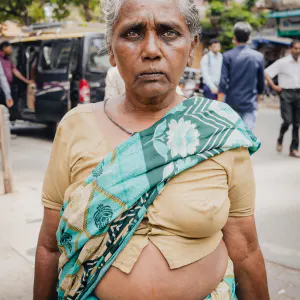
169, 25
133, 26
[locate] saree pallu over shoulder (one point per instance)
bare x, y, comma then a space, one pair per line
101, 216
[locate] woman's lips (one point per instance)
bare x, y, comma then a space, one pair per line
152, 76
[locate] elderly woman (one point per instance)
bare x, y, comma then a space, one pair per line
155, 192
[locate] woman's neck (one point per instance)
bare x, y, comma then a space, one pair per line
149, 108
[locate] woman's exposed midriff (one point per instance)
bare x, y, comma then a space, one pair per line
152, 279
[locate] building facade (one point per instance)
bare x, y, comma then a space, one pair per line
282, 4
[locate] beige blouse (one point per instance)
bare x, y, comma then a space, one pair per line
185, 221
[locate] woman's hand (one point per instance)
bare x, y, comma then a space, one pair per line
241, 240
47, 255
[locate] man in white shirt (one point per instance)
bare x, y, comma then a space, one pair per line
115, 85
211, 66
288, 71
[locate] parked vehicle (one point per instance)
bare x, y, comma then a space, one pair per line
190, 82
68, 67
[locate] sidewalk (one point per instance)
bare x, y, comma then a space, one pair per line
284, 283
21, 216
270, 102
20, 219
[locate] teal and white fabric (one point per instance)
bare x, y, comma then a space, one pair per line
101, 216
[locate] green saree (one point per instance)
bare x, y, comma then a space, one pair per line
99, 219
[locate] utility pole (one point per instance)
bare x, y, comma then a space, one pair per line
5, 149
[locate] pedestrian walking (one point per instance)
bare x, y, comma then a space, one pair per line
9, 69
288, 71
242, 77
211, 66
114, 84
149, 195
5, 93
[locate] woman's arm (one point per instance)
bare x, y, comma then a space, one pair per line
47, 255
241, 240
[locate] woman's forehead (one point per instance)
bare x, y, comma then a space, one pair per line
143, 10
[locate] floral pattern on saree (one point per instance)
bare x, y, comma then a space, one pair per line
101, 216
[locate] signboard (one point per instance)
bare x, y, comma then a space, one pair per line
289, 26
283, 4
269, 29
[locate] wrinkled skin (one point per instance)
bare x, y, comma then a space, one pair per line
151, 36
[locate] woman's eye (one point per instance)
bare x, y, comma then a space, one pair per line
132, 34
170, 34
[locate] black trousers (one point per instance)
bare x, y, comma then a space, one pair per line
290, 113
2, 97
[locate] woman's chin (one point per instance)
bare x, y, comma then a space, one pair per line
153, 90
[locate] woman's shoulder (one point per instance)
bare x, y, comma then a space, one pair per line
79, 129
80, 123
231, 158
80, 111
233, 154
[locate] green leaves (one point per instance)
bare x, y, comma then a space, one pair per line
89, 9
15, 10
161, 148
223, 17
36, 12
61, 9
216, 8
27, 12
250, 3
160, 129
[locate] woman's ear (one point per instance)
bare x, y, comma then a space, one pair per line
192, 51
112, 58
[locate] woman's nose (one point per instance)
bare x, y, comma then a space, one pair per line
151, 47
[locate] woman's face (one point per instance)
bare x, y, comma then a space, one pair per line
151, 45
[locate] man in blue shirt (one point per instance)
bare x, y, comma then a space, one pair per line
242, 76
211, 65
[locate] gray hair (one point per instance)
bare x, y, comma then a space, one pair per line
242, 31
187, 7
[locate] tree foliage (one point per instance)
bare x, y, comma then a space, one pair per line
22, 11
221, 17
60, 10
89, 9
27, 12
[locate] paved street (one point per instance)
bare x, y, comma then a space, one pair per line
278, 208
277, 212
